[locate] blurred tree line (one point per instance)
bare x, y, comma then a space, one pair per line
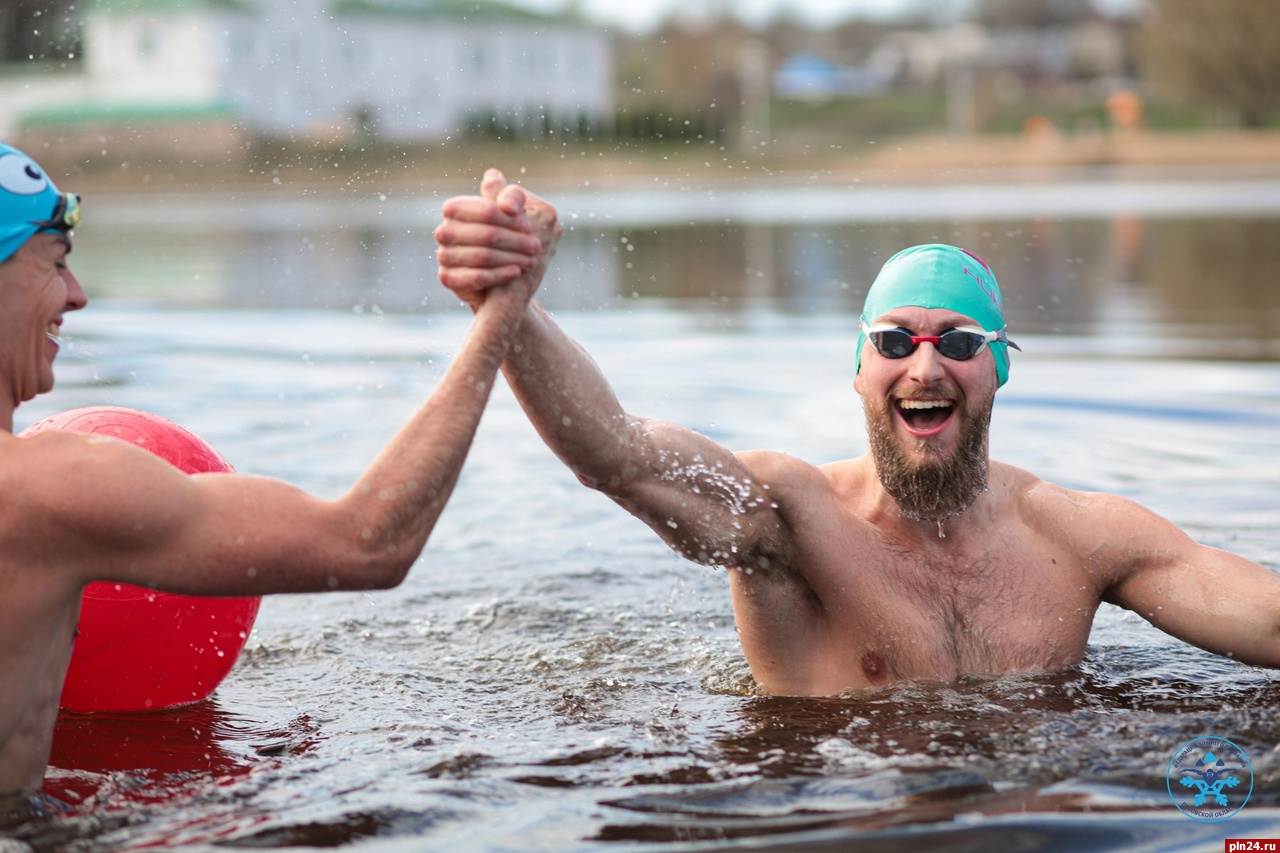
1219, 54
691, 79
1195, 63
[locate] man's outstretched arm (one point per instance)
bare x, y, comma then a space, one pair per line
698, 496
103, 509
1202, 595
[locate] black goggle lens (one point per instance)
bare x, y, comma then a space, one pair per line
955, 344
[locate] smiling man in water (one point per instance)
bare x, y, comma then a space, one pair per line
76, 508
923, 559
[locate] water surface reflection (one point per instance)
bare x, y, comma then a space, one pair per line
550, 677
1206, 281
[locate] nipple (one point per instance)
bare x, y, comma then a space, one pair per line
874, 667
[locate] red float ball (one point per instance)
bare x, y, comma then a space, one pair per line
140, 649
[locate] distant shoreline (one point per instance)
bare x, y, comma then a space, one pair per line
587, 167
626, 207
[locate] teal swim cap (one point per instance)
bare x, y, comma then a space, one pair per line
29, 202
939, 276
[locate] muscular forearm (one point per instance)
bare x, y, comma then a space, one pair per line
105, 510
693, 492
399, 498
697, 495
571, 404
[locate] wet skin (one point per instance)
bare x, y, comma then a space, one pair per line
78, 508
38, 289
834, 588
874, 596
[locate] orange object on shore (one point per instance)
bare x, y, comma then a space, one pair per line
1125, 109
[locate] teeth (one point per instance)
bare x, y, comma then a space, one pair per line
57, 339
925, 404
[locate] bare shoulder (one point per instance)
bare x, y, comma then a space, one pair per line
812, 502
793, 481
1046, 504
56, 482
802, 488
791, 489
782, 469
42, 465
1112, 534
39, 464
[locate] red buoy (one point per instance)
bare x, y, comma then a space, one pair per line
140, 649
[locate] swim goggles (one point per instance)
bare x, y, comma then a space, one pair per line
959, 344
66, 214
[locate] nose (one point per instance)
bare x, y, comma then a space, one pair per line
76, 297
924, 366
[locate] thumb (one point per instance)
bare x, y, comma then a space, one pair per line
492, 184
511, 200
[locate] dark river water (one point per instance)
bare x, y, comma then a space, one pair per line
550, 677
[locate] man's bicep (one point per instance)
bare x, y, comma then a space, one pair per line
94, 497
1202, 595
708, 503
129, 516
243, 535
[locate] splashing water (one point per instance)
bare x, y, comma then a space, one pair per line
551, 677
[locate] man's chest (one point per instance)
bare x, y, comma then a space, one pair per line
907, 615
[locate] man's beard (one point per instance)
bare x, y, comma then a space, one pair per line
938, 488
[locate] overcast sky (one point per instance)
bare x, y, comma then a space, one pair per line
639, 15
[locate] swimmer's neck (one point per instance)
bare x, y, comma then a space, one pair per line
946, 534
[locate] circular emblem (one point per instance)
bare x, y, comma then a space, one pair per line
1210, 779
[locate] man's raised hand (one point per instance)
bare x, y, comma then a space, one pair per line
503, 236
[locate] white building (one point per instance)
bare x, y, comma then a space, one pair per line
403, 70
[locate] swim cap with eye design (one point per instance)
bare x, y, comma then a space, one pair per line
29, 202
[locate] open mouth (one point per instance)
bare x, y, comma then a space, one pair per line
925, 416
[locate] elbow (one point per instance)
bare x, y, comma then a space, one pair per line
378, 554
612, 485
1264, 654
617, 481
389, 569
391, 576
1271, 653
592, 482
372, 567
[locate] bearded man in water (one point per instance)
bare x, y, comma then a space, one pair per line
923, 559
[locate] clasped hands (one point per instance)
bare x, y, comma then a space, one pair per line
502, 238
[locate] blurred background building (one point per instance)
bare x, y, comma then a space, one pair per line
199, 79
204, 76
